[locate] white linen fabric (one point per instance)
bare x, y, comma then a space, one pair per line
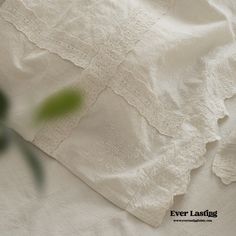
69, 207
155, 78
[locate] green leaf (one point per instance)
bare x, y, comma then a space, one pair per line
60, 104
32, 160
4, 105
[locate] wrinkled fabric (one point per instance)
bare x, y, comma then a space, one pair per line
155, 77
225, 162
68, 206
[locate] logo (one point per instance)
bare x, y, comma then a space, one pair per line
193, 216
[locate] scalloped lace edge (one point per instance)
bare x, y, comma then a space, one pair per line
223, 166
155, 219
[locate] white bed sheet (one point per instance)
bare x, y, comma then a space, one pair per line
70, 207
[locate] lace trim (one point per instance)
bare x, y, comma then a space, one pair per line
102, 66
138, 95
156, 185
219, 85
52, 134
67, 47
224, 165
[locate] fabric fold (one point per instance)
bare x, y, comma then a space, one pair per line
224, 165
152, 100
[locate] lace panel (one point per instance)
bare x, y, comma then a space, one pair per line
101, 70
